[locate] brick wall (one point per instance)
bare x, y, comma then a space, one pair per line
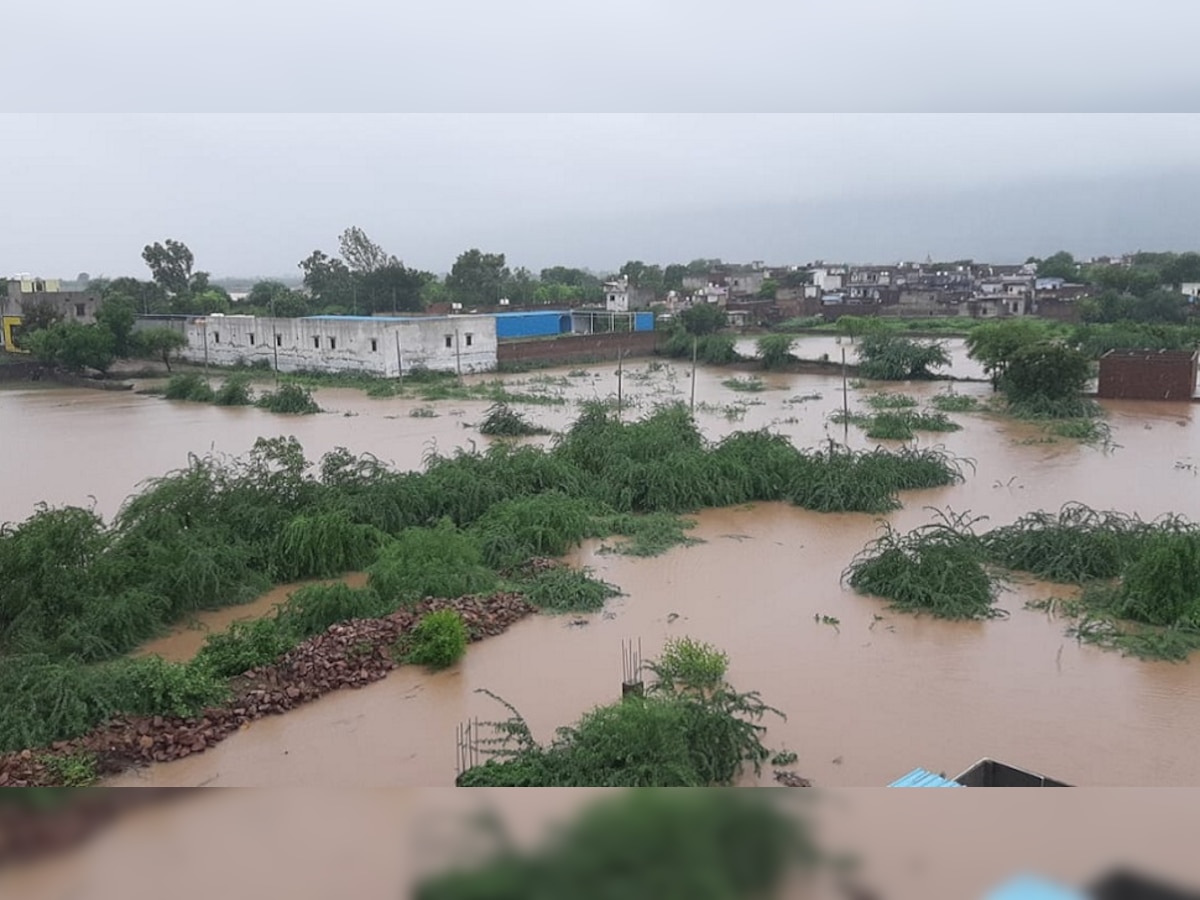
1147, 376
577, 348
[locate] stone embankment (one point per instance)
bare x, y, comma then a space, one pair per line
347, 655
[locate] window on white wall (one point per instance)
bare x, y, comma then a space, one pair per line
251, 339
333, 343
374, 345
449, 341
469, 336
216, 337
279, 340
317, 342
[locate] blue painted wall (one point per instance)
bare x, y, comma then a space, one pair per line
542, 323
643, 321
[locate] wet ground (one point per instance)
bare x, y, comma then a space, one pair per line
866, 700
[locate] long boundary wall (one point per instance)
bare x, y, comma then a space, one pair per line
577, 348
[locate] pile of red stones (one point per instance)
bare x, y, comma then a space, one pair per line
347, 655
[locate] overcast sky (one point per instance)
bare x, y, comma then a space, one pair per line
253, 194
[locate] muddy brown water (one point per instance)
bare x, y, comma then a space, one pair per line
317, 843
866, 700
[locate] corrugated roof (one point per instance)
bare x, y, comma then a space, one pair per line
1030, 887
922, 778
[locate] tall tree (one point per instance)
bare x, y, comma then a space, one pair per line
328, 279
673, 277
170, 265
361, 254
477, 278
392, 288
116, 314
1060, 265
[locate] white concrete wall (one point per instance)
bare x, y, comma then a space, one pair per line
376, 346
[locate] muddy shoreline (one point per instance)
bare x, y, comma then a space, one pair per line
347, 655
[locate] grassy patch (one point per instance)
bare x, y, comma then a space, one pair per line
566, 590
890, 401
747, 385
235, 391
951, 402
189, 386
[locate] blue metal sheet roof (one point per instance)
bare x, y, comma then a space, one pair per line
1030, 887
922, 778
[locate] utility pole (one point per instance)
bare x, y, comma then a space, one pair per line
845, 400
275, 339
399, 358
695, 343
457, 354
620, 372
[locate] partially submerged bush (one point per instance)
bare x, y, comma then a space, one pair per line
290, 399
891, 401
189, 387
675, 736
887, 357
690, 665
565, 590
774, 351
503, 421
1074, 545
438, 640
951, 402
235, 391
936, 569
549, 524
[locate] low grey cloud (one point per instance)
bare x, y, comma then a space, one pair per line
253, 194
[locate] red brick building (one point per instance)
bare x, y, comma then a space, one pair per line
1148, 374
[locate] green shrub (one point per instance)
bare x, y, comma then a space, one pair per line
891, 401
690, 665
290, 399
676, 736
430, 562
889, 426
774, 351
513, 531
75, 770
951, 402
565, 590
245, 645
189, 387
503, 421
438, 640
745, 385
313, 608
324, 544
937, 568
235, 391
1075, 545
887, 357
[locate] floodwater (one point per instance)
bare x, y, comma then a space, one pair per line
830, 346
866, 700
184, 641
910, 845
